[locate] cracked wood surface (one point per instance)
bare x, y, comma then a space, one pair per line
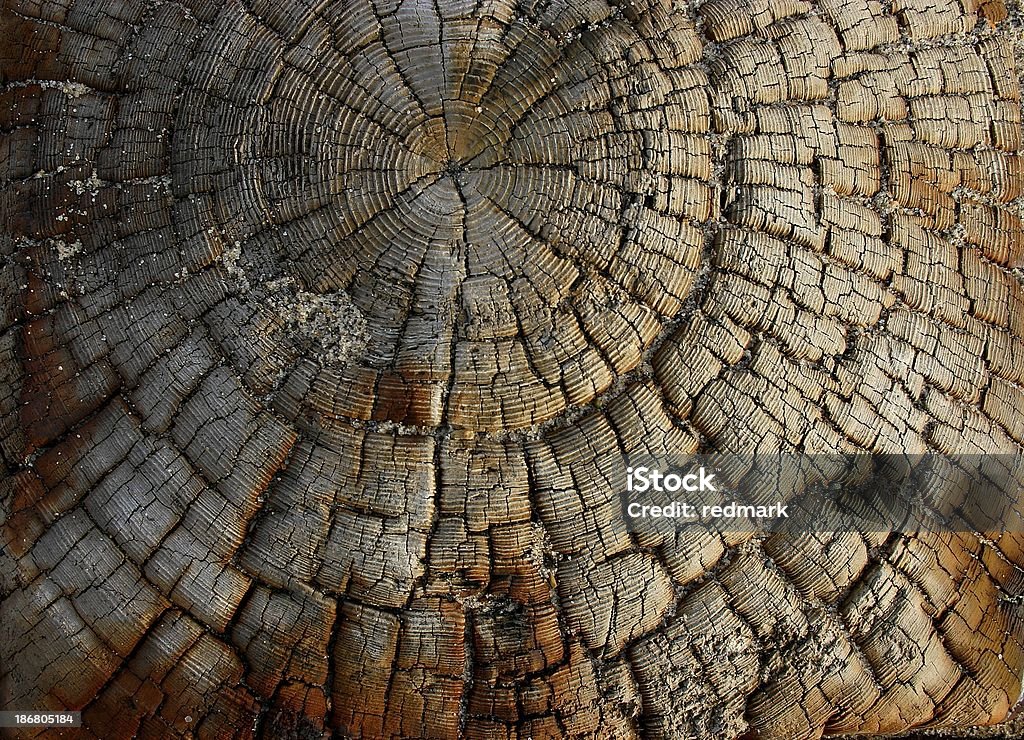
324, 325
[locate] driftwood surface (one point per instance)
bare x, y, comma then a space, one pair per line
323, 324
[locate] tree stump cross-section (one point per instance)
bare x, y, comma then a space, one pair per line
325, 327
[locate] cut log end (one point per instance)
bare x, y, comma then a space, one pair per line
324, 328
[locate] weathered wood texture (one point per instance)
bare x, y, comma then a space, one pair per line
323, 324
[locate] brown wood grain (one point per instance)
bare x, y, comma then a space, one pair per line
324, 326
